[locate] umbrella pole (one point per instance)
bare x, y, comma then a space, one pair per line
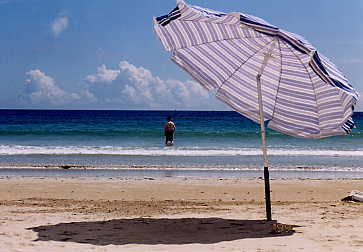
264, 151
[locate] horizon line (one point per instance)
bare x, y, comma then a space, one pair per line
126, 109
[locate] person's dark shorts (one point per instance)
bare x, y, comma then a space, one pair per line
169, 136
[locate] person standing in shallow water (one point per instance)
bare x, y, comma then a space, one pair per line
169, 130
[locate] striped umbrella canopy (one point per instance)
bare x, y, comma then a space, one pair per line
265, 73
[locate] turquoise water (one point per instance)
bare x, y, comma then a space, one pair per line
204, 139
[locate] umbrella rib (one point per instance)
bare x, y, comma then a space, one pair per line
312, 84
242, 65
278, 83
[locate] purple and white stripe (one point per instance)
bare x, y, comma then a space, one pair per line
304, 94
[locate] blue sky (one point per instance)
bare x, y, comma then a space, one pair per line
92, 54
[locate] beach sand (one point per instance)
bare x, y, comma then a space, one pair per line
177, 214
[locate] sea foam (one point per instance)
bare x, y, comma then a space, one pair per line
167, 151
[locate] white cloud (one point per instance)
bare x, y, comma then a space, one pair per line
42, 89
131, 86
59, 24
103, 75
125, 87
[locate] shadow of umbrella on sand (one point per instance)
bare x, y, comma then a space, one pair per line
266, 74
160, 231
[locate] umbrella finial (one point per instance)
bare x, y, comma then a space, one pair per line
234, 14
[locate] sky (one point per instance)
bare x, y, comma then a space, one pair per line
93, 54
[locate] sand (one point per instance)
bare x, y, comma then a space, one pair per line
176, 214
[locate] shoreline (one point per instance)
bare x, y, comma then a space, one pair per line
70, 166
161, 172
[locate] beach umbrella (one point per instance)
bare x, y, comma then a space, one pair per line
273, 77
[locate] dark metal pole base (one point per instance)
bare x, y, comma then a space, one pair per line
267, 194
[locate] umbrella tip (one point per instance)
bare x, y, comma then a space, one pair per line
234, 14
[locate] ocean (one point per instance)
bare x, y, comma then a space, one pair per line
204, 140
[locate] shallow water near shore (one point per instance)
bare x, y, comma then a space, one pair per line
155, 173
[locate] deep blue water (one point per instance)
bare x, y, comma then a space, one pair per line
126, 138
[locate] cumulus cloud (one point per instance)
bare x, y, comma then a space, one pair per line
103, 75
126, 87
42, 89
132, 86
59, 24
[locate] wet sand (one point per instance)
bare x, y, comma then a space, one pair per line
177, 214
